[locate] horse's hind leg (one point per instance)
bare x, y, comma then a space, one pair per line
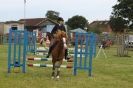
53, 72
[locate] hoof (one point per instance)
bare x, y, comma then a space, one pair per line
52, 77
58, 77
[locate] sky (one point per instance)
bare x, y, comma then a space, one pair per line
91, 9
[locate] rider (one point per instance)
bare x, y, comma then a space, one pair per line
57, 27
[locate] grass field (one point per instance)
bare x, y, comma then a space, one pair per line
112, 72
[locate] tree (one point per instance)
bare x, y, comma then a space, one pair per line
118, 24
124, 9
121, 19
53, 15
77, 22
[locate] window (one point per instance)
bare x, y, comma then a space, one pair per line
14, 28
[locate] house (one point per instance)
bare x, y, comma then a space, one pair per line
79, 30
1, 28
30, 24
103, 26
72, 35
1, 32
4, 29
41, 24
15, 25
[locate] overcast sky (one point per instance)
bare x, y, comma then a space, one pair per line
90, 9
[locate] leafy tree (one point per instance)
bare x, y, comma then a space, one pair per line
122, 18
77, 22
124, 9
118, 24
53, 15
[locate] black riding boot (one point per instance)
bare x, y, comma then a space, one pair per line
66, 54
49, 52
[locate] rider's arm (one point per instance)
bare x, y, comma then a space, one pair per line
54, 30
63, 28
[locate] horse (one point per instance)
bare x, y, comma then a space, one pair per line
58, 53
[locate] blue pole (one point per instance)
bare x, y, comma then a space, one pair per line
81, 44
76, 52
24, 51
9, 51
35, 42
19, 49
94, 45
86, 49
91, 54
15, 38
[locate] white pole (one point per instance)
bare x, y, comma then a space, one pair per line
101, 48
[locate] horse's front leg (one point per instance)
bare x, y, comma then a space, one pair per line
58, 64
53, 71
58, 73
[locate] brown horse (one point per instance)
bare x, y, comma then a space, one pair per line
58, 53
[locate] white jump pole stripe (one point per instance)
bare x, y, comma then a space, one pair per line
39, 59
50, 65
63, 66
77, 55
36, 65
47, 65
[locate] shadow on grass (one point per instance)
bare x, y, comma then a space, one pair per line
122, 56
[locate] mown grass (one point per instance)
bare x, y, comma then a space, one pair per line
111, 72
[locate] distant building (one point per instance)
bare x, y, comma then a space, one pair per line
42, 26
31, 24
103, 26
72, 35
15, 25
39, 24
1, 28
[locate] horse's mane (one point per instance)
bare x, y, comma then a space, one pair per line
59, 35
